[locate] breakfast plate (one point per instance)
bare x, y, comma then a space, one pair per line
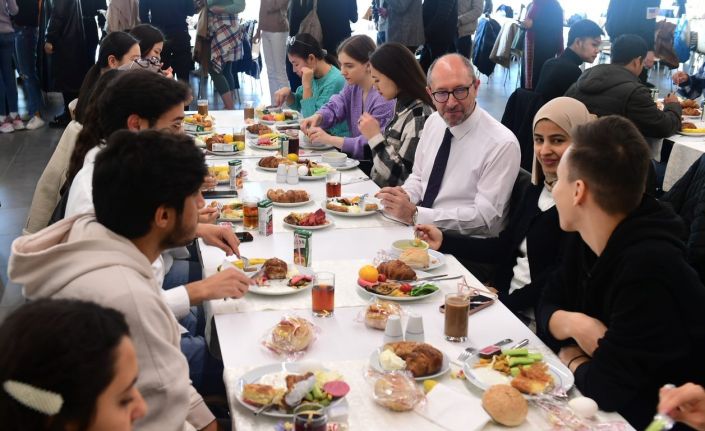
563, 379
375, 365
328, 224
436, 259
279, 287
409, 298
274, 374
349, 164
256, 145
224, 153
312, 177
291, 204
352, 210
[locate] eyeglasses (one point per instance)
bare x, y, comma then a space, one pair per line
460, 93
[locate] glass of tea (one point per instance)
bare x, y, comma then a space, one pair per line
310, 417
249, 111
456, 317
333, 184
202, 106
250, 213
323, 294
293, 141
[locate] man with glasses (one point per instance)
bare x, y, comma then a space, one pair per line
466, 161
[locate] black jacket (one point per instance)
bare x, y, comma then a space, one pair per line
168, 15
440, 21
73, 32
558, 74
335, 17
611, 89
518, 117
629, 17
651, 301
485, 37
543, 243
687, 197
28, 14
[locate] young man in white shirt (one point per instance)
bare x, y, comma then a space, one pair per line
466, 161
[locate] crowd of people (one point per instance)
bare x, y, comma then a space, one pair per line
579, 248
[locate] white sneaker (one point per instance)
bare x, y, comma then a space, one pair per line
6, 127
35, 123
17, 124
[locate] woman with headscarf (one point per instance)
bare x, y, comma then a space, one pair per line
543, 40
528, 249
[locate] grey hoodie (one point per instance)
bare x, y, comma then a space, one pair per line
80, 258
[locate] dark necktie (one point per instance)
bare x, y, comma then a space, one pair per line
439, 169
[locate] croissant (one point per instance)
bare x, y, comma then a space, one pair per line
396, 270
421, 359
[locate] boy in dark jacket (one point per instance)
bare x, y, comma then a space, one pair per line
625, 308
615, 89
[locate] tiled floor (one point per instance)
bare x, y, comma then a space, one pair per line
23, 156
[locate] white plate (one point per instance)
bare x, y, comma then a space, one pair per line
279, 287
266, 169
254, 376
375, 365
264, 147
292, 204
224, 153
691, 117
436, 259
312, 177
323, 226
349, 164
349, 214
562, 377
194, 133
419, 274
680, 132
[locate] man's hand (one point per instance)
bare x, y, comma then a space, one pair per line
219, 236
670, 98
309, 122
208, 215
228, 283
684, 404
209, 181
431, 234
368, 125
397, 203
49, 48
680, 78
572, 355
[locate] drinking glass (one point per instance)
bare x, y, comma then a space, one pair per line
323, 294
250, 214
333, 185
310, 417
249, 110
456, 317
202, 106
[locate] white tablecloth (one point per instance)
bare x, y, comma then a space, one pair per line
686, 150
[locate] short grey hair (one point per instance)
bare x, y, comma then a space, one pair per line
466, 61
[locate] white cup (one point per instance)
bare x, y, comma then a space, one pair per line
414, 328
393, 331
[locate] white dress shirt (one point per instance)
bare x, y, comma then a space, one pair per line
81, 201
479, 177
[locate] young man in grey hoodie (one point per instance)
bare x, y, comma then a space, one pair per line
141, 208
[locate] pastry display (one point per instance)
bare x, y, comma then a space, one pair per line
690, 108
275, 269
396, 270
505, 405
415, 257
378, 312
291, 334
421, 359
317, 218
397, 392
287, 196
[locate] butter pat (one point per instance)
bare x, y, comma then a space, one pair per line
390, 361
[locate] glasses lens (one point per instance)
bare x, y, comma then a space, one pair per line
440, 96
461, 93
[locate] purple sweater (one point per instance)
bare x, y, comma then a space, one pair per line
347, 106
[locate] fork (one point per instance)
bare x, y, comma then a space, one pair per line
465, 354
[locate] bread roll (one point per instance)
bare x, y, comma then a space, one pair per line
397, 392
506, 405
292, 335
415, 258
377, 314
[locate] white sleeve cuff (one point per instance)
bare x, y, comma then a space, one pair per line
424, 216
177, 300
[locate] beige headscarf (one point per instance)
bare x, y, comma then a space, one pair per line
567, 113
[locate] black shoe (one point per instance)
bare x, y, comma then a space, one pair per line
61, 121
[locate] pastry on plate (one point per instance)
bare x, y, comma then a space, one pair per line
378, 313
292, 334
397, 392
259, 395
415, 257
275, 269
396, 270
421, 359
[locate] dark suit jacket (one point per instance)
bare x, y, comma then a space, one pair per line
543, 243
558, 74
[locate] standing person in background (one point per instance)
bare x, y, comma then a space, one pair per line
9, 121
380, 14
634, 17
544, 39
72, 44
272, 29
169, 16
440, 22
335, 17
405, 21
26, 24
298, 9
469, 12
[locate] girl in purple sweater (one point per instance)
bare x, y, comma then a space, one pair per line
359, 96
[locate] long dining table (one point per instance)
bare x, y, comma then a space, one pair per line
343, 342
